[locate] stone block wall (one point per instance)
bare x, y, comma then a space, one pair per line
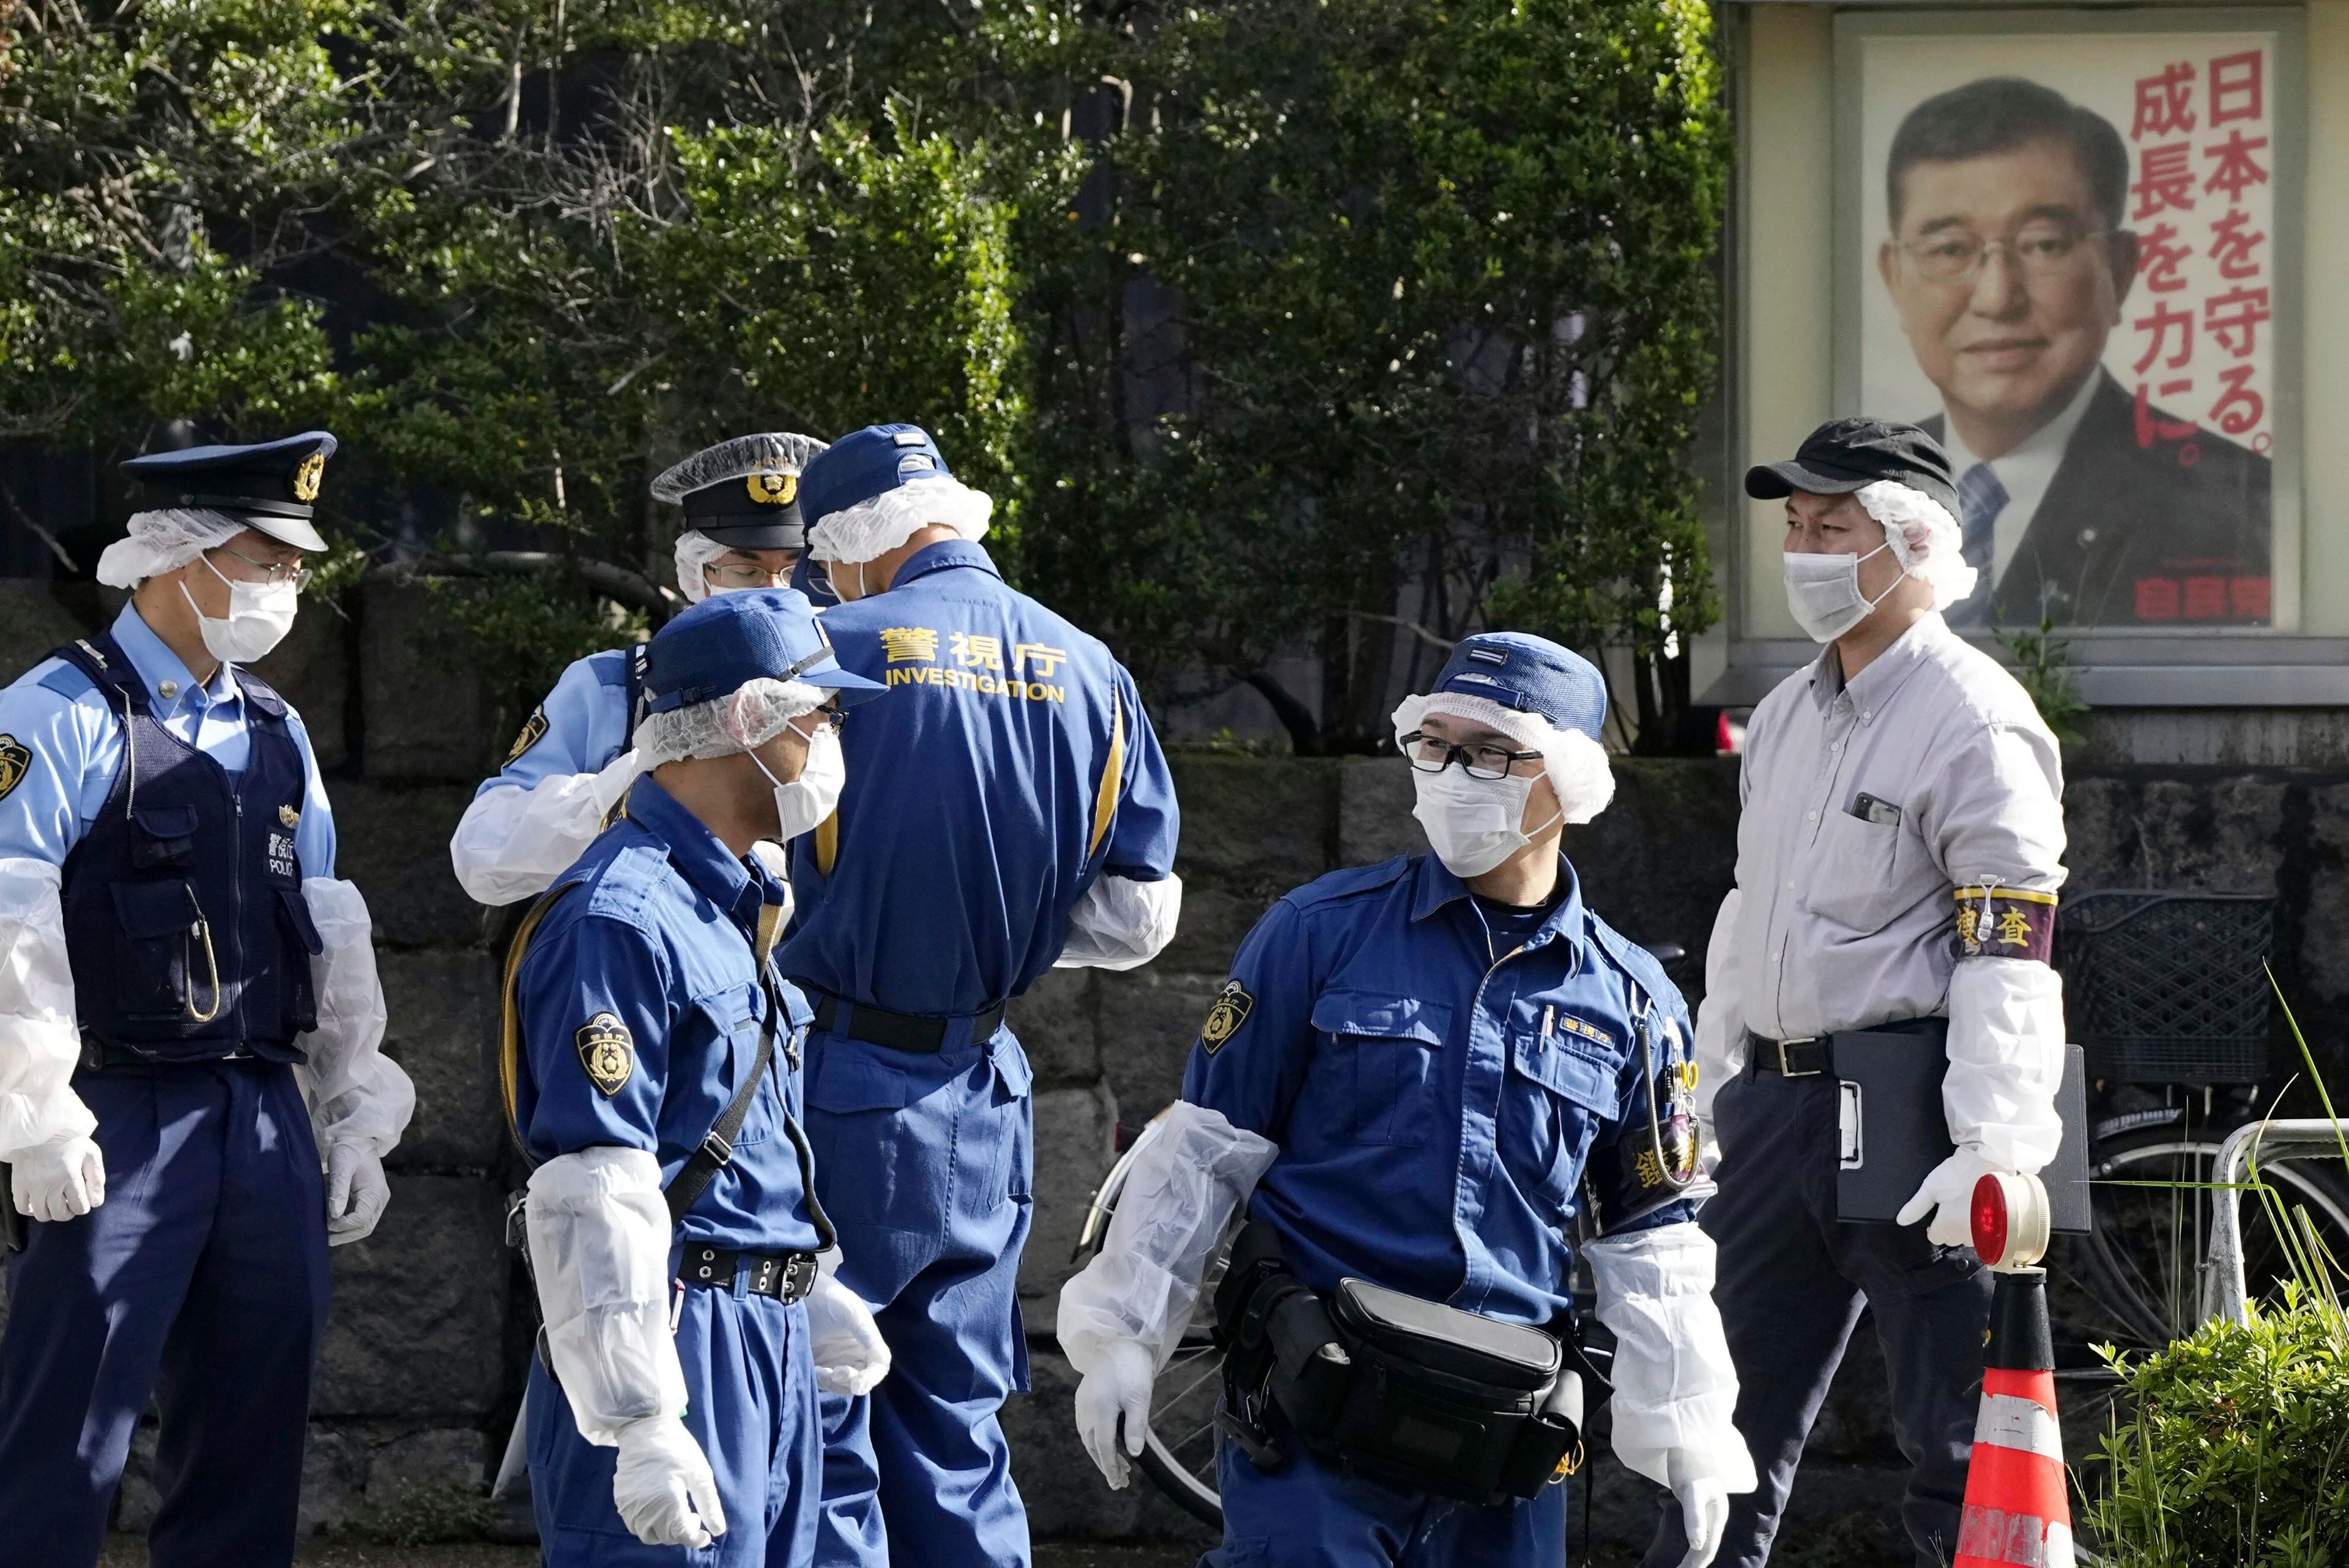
420, 1372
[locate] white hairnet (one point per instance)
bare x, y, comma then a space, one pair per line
754, 714
779, 452
1925, 539
696, 551
872, 528
164, 541
1576, 763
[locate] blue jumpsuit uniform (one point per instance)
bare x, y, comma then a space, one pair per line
1010, 766
1440, 1075
202, 1279
584, 725
657, 930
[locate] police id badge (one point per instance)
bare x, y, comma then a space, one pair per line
607, 1051
1233, 1005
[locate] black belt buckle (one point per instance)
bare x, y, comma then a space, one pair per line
797, 1277
1816, 1054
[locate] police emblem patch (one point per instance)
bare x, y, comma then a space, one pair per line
1225, 1018
774, 489
607, 1051
531, 729
16, 761
307, 477
289, 816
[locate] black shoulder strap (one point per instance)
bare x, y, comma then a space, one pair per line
259, 693
638, 652
107, 667
716, 1149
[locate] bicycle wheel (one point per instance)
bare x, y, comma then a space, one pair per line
1178, 1452
2139, 1272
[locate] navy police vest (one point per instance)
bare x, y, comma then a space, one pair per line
185, 922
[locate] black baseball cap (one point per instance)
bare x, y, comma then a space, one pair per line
1845, 455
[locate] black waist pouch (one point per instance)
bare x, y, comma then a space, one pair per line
1408, 1390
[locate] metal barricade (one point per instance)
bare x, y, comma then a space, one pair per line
2225, 1293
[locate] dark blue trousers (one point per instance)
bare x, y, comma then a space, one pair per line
1791, 1285
750, 1403
924, 1163
1309, 1514
200, 1282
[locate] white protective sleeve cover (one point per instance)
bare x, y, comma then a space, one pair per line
512, 843
1181, 1195
599, 1235
39, 1041
1120, 923
1675, 1387
2006, 1060
1721, 1018
357, 1094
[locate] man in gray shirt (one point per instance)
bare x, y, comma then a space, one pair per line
1898, 859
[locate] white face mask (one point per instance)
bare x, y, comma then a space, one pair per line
1472, 823
808, 799
259, 616
1823, 592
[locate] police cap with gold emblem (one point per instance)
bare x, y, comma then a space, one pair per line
744, 494
270, 486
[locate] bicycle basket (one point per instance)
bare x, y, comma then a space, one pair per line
2168, 988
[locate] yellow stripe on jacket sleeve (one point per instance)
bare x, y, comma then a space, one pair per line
1113, 776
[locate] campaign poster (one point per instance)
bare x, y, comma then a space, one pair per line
2069, 273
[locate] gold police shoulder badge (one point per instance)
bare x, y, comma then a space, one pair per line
1225, 1018
774, 489
607, 1051
531, 729
289, 816
307, 477
16, 761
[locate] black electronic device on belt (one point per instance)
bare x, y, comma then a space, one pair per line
1392, 1385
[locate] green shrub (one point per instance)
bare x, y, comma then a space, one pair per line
2237, 1453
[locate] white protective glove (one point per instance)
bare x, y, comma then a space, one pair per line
1948, 1196
357, 1095
850, 1356
63, 1179
1675, 1385
1119, 1386
662, 1485
355, 1191
1704, 1509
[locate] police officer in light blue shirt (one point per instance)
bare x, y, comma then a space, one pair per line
652, 1073
1007, 809
1411, 1074
532, 817
190, 1019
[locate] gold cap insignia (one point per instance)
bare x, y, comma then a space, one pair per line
289, 816
608, 1052
1225, 1018
531, 729
307, 477
15, 761
774, 489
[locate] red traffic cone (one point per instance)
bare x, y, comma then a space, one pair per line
2018, 1511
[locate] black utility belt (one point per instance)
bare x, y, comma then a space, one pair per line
899, 1031
1406, 1390
786, 1276
1813, 1055
99, 1056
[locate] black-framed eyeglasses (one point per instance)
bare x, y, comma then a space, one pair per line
833, 719
270, 572
1433, 753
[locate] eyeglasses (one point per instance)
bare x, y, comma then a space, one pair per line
741, 577
2041, 250
833, 719
1433, 754
271, 572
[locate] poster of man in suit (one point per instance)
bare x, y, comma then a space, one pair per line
2070, 282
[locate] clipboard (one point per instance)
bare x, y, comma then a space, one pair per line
1891, 1132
